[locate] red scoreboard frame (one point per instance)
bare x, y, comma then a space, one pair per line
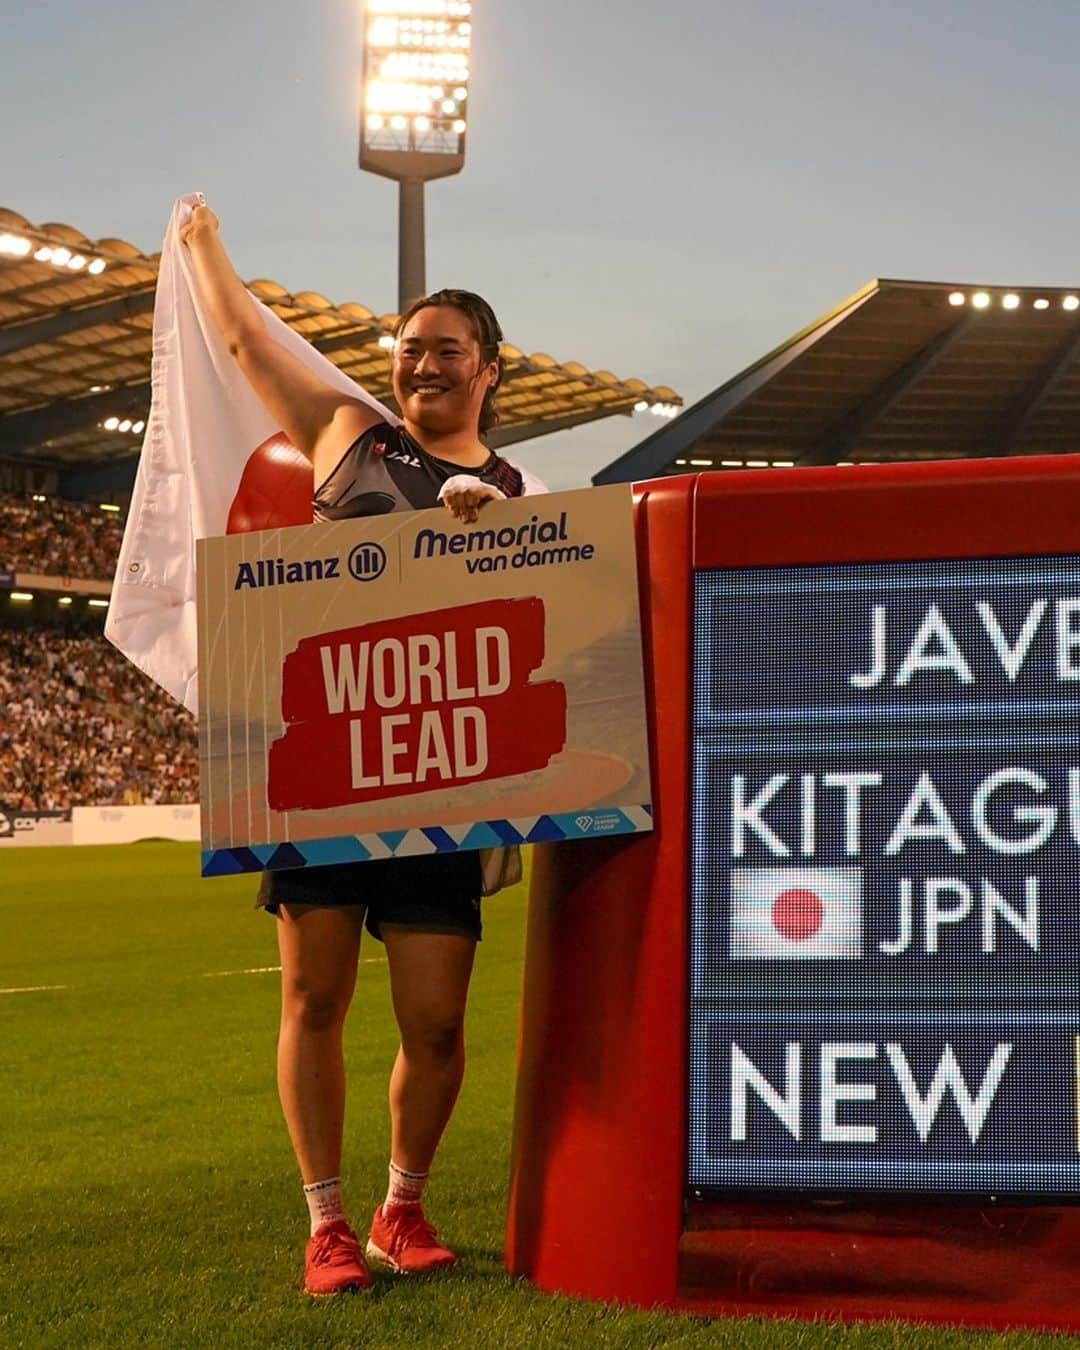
599, 1205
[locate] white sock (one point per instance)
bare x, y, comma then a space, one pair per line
405, 1188
324, 1202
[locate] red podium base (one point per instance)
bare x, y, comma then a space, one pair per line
991, 1267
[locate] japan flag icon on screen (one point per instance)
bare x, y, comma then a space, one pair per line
796, 912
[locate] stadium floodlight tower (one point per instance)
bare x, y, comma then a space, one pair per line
415, 101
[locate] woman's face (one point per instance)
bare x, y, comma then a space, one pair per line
439, 379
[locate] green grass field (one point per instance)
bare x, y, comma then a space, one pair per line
147, 1191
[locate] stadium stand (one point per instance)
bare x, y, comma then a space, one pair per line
79, 725
58, 538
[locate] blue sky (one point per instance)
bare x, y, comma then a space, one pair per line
664, 190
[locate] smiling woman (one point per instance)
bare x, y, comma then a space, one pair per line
446, 369
448, 345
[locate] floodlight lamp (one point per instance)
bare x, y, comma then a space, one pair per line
1070, 302
43, 254
1010, 301
980, 299
386, 342
64, 600
384, 32
957, 298
138, 427
15, 245
21, 597
111, 423
1041, 303
418, 10
76, 263
641, 406
60, 256
97, 267
415, 52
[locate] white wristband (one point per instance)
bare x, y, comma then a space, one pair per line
468, 482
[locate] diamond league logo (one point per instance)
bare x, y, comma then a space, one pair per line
583, 822
367, 561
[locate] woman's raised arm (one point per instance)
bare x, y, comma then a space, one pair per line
310, 412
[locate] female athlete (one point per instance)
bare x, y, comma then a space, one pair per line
426, 910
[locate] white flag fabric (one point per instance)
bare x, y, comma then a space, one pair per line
795, 912
205, 426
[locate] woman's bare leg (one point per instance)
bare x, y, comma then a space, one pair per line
319, 950
429, 982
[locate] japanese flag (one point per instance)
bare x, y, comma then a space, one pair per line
213, 462
212, 457
795, 913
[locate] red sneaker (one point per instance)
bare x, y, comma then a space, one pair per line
333, 1261
403, 1241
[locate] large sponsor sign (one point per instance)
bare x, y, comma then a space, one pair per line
34, 829
408, 684
886, 860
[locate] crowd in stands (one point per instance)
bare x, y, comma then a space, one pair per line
81, 726
59, 538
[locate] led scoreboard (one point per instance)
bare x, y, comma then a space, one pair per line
885, 874
816, 1037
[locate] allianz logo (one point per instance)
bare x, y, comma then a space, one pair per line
278, 572
366, 562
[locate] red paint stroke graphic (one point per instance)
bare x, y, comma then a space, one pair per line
411, 704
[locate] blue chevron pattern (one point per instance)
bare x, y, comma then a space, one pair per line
225, 862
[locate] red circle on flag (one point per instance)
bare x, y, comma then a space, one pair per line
797, 913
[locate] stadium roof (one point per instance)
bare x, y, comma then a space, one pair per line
75, 339
902, 370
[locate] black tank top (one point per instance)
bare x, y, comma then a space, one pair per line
386, 470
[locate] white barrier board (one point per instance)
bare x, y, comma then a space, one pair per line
130, 824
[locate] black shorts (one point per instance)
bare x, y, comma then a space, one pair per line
433, 893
